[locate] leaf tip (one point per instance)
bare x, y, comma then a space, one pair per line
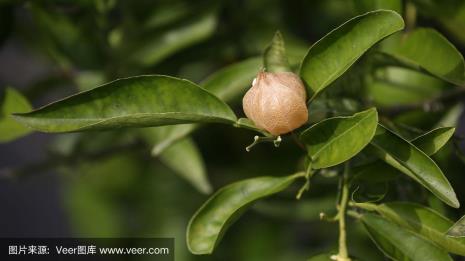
455, 203
395, 14
191, 246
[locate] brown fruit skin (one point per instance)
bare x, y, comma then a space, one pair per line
276, 102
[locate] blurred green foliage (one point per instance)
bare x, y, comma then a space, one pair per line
113, 186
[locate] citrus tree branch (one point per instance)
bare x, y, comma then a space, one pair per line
343, 254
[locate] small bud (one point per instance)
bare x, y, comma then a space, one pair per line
276, 102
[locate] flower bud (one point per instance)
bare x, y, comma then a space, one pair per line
276, 102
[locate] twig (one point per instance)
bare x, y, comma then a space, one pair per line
343, 254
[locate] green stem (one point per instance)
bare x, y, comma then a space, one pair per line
343, 253
257, 139
308, 174
363, 205
354, 214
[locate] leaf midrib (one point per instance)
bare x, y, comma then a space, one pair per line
271, 190
129, 115
420, 178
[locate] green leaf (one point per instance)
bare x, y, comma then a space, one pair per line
274, 58
433, 140
332, 55
458, 230
427, 49
185, 159
13, 102
423, 221
400, 244
227, 84
166, 43
335, 140
407, 158
208, 224
141, 101
429, 142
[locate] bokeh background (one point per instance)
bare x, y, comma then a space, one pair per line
106, 184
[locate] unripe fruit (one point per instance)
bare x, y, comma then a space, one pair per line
276, 102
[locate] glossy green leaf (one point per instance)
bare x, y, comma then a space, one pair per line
423, 221
332, 55
430, 143
274, 58
458, 230
400, 244
427, 49
407, 158
185, 159
141, 101
433, 140
228, 84
208, 224
174, 39
13, 102
335, 140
